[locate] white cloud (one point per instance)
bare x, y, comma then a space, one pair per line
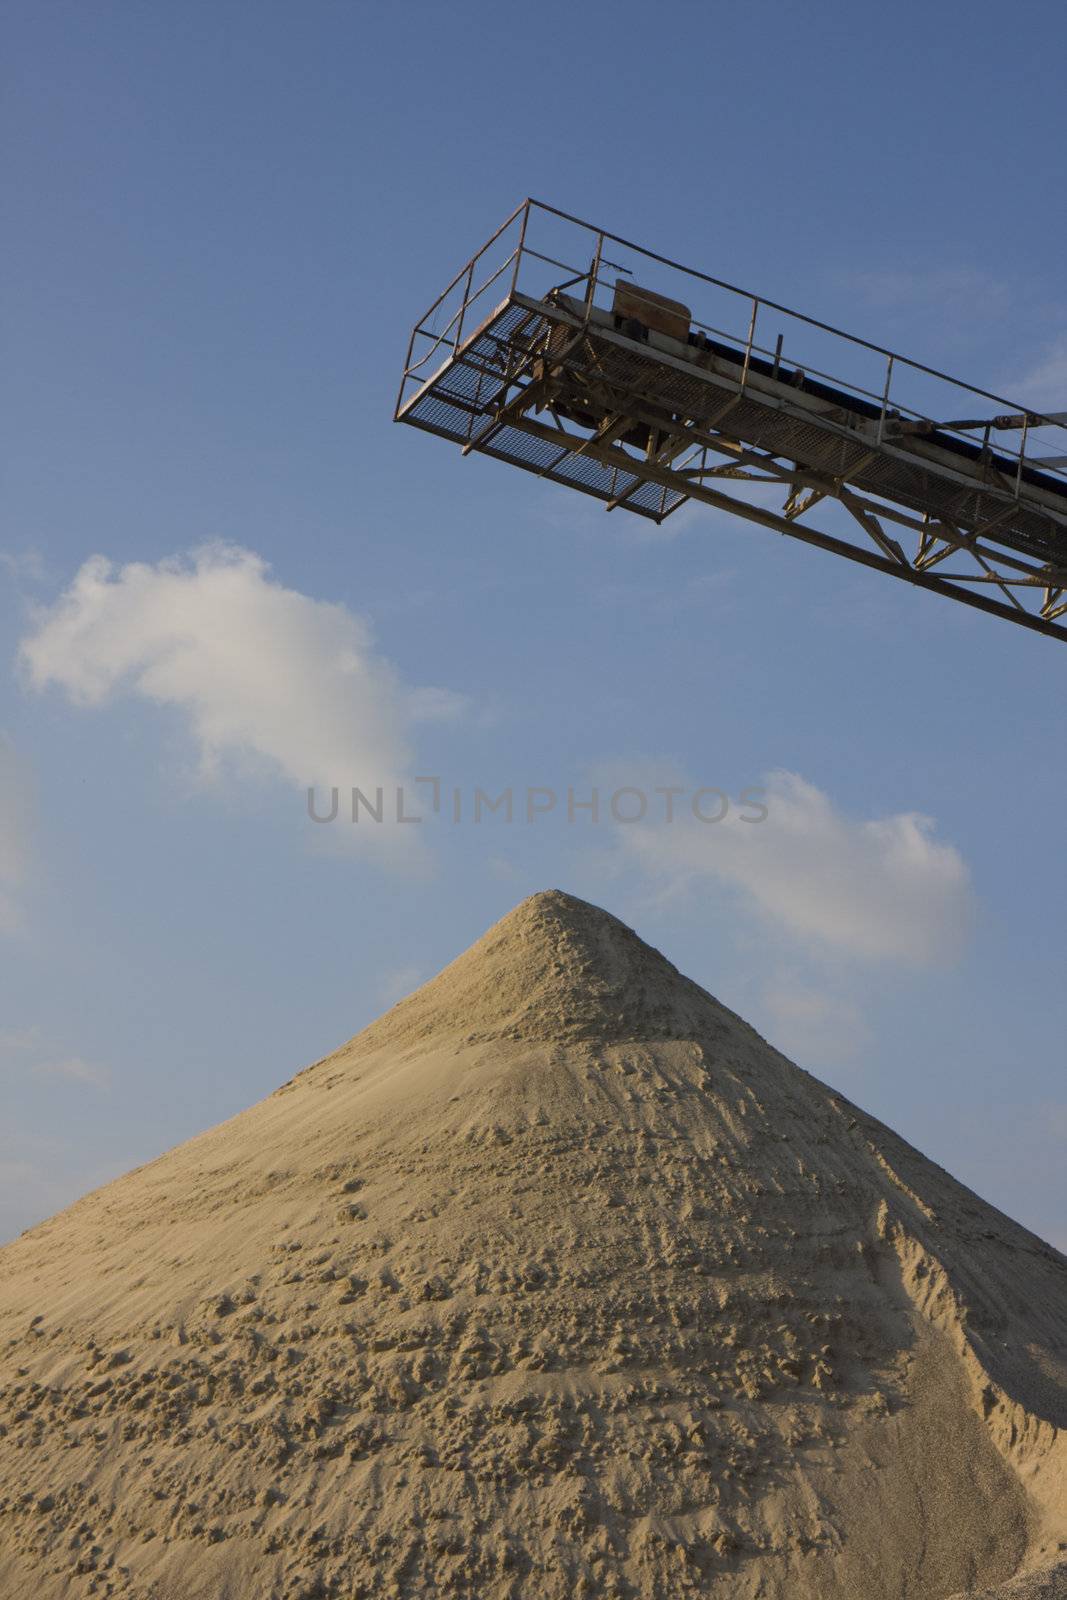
884, 889
257, 670
15, 831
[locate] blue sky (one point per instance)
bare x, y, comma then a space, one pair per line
220, 222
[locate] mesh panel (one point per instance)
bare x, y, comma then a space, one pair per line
819, 433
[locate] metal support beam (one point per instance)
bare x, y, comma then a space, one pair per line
612, 456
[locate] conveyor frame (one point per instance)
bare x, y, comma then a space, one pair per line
525, 358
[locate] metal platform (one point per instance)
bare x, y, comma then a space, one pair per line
596, 373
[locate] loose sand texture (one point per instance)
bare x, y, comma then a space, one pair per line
1050, 1583
558, 1281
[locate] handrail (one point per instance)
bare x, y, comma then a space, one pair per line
448, 290
800, 316
529, 207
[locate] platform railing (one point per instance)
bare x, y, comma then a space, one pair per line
522, 257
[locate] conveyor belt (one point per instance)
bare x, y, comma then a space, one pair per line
645, 415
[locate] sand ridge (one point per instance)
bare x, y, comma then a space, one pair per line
557, 1280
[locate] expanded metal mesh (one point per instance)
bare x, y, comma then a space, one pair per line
462, 395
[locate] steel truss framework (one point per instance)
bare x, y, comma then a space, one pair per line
548, 376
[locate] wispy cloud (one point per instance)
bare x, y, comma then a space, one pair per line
883, 889
74, 1070
397, 983
580, 513
24, 566
813, 1022
13, 1039
26, 1052
40, 1175
960, 287
257, 670
1044, 384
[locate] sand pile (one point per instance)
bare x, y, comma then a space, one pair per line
557, 1281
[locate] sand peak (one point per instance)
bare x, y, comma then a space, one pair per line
619, 1304
554, 968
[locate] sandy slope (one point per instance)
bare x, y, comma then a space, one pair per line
1048, 1583
557, 1281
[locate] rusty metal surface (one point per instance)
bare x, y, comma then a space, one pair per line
655, 311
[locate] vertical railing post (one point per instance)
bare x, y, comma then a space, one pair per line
1022, 454
519, 247
463, 305
407, 369
885, 397
594, 273
778, 356
748, 347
